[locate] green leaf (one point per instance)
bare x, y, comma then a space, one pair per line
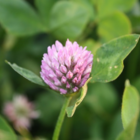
27, 74
68, 19
108, 60
6, 133
115, 25
130, 104
130, 112
89, 7
71, 109
105, 7
18, 18
44, 7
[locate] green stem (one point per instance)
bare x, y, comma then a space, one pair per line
61, 119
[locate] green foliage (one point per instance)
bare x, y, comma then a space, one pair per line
73, 21
27, 74
130, 105
44, 7
105, 7
76, 15
87, 4
108, 60
118, 20
27, 27
18, 18
6, 133
130, 112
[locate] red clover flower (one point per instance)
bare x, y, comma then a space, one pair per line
20, 112
66, 69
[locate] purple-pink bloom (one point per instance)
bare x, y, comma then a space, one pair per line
20, 112
66, 69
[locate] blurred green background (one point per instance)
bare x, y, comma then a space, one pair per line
28, 27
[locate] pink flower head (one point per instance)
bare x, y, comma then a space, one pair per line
66, 69
20, 112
